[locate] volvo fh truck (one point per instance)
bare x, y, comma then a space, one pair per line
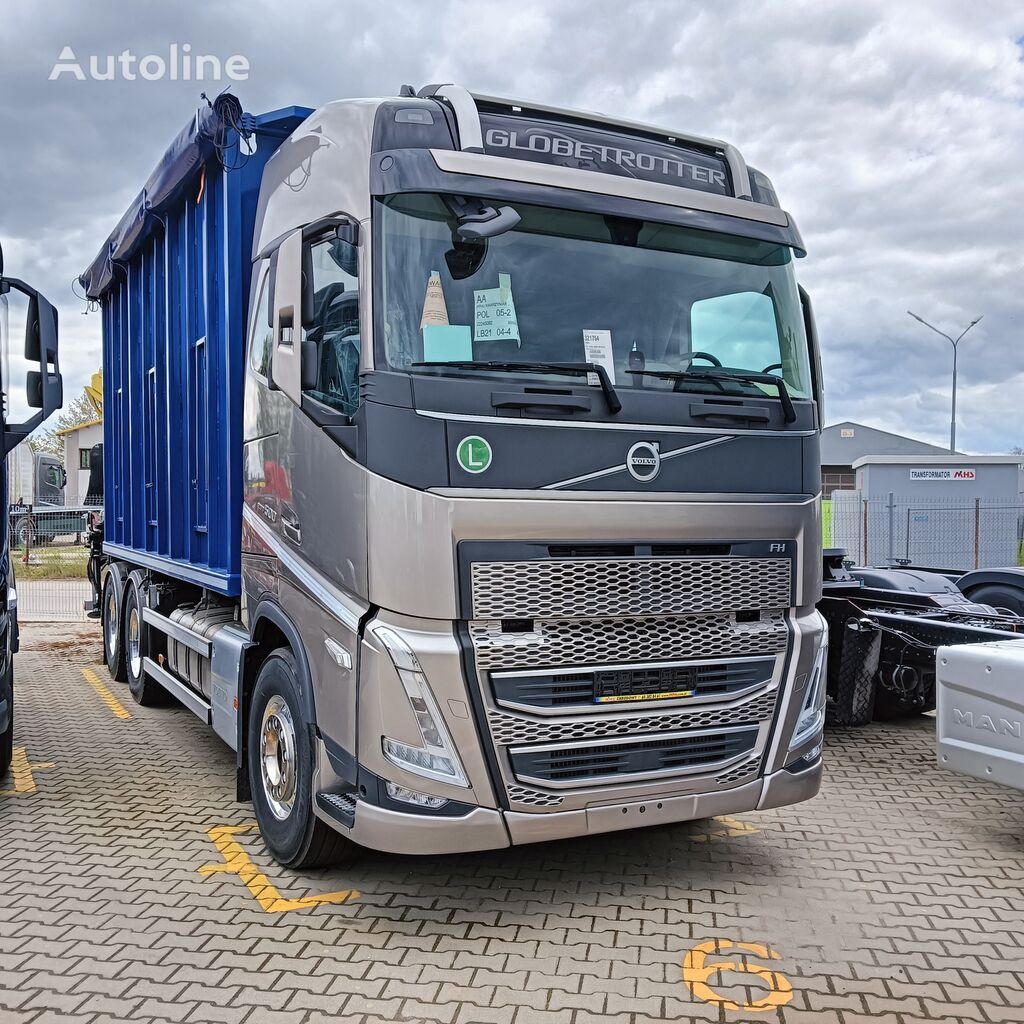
461, 471
25, 403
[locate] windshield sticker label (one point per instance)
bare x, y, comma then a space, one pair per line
474, 454
445, 344
597, 348
495, 313
435, 312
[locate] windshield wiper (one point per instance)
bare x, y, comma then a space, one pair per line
717, 375
576, 369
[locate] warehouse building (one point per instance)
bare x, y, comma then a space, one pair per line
845, 443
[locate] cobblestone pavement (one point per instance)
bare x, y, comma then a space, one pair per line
896, 895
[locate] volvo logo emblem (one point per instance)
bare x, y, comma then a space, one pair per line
643, 460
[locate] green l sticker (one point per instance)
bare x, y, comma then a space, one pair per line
474, 454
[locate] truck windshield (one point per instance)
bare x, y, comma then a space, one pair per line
565, 286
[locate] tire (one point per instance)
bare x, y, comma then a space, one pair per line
7, 738
110, 614
280, 760
999, 595
135, 641
853, 690
26, 533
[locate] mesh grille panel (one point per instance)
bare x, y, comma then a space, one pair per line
507, 728
745, 770
627, 586
532, 797
590, 642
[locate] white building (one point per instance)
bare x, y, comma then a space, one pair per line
78, 442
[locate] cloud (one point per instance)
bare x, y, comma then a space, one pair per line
892, 132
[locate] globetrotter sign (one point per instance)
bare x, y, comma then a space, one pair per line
944, 473
586, 147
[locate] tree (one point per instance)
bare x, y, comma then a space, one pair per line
76, 412
1017, 451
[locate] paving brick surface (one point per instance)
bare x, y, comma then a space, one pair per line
895, 896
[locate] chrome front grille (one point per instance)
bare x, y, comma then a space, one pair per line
632, 759
553, 642
600, 588
514, 729
607, 678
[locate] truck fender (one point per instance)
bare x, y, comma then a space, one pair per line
119, 572
268, 611
1009, 577
1003, 588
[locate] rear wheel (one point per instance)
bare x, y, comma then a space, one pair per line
281, 772
852, 687
135, 640
26, 533
113, 649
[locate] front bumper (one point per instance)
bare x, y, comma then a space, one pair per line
390, 831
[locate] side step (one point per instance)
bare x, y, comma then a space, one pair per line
178, 689
340, 806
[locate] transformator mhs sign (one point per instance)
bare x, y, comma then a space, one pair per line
950, 473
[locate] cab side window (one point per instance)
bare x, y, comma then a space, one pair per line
262, 342
335, 325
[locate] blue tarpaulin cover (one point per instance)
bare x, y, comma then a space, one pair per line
204, 137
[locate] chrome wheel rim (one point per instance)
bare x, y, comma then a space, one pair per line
134, 643
111, 620
277, 757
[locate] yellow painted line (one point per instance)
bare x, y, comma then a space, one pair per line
237, 862
105, 695
697, 971
24, 773
724, 827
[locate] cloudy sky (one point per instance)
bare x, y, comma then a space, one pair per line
893, 132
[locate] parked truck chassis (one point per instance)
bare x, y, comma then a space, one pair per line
884, 636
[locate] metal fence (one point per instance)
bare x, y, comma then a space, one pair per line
49, 554
941, 533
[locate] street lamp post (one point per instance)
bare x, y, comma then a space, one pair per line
954, 343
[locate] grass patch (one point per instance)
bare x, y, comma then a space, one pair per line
50, 563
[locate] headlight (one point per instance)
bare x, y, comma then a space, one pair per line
435, 758
812, 714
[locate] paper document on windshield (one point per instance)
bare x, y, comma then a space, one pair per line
494, 313
597, 348
435, 311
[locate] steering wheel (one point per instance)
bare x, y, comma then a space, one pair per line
772, 366
714, 361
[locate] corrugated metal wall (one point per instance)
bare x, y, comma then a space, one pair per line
173, 354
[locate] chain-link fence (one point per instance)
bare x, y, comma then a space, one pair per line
940, 533
49, 553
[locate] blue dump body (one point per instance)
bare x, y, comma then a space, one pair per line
173, 286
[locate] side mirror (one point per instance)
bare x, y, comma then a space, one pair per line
287, 316
44, 387
811, 330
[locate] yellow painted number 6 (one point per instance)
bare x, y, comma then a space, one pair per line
697, 971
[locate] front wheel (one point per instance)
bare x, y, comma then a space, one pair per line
7, 737
281, 772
